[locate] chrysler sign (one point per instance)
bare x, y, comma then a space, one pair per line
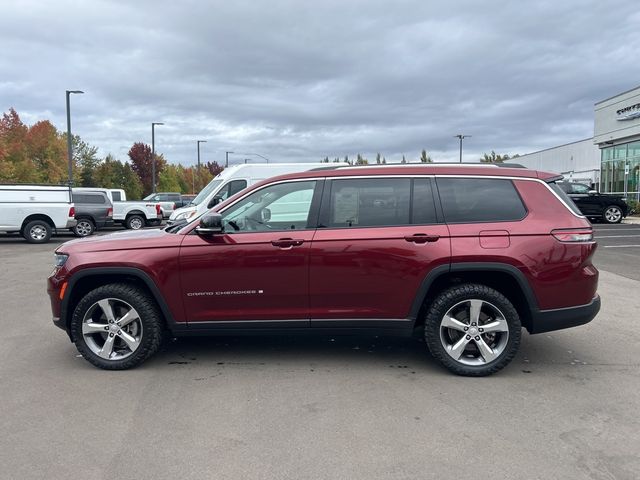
629, 113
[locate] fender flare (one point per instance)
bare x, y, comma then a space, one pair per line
124, 271
437, 272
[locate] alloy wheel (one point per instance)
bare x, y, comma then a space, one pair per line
38, 232
112, 329
84, 228
613, 214
474, 332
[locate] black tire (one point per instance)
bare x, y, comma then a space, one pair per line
152, 330
84, 228
37, 231
134, 222
455, 296
612, 214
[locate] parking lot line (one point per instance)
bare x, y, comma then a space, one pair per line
614, 229
620, 246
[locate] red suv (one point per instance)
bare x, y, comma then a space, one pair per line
466, 255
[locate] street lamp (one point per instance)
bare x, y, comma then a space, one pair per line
153, 153
256, 154
226, 163
199, 175
69, 145
461, 137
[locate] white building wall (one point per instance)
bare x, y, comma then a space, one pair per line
577, 161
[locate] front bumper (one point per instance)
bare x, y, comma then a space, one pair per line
561, 318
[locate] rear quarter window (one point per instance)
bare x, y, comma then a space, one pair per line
472, 200
558, 190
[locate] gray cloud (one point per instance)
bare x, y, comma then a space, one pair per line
300, 80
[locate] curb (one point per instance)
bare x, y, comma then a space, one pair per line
632, 220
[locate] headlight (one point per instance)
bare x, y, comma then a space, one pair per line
60, 259
185, 215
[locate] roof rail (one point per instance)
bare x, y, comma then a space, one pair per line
432, 164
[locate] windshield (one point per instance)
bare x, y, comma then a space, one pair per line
205, 192
149, 197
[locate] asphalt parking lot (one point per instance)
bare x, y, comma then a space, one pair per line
325, 408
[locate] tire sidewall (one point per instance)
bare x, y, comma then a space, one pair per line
92, 228
604, 214
149, 317
29, 227
455, 295
131, 219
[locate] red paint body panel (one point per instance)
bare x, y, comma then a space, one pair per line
371, 272
244, 277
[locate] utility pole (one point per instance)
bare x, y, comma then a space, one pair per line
69, 143
199, 173
153, 154
226, 162
461, 137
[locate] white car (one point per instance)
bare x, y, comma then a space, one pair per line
132, 214
233, 180
36, 211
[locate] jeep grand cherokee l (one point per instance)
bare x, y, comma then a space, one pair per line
465, 255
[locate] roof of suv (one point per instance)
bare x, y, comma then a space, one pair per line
425, 169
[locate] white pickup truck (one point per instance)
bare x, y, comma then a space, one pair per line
131, 214
36, 211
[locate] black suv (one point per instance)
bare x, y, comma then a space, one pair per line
594, 205
93, 212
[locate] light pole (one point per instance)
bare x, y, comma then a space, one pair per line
256, 154
69, 144
461, 137
226, 162
153, 154
199, 174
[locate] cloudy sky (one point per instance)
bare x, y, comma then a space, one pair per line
298, 80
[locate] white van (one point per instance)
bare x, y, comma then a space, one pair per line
231, 181
36, 211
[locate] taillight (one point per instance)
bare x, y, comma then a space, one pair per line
72, 212
158, 210
110, 212
573, 235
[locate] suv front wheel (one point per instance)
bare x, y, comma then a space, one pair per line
116, 326
472, 330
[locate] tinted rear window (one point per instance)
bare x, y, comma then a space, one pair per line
88, 198
116, 196
467, 200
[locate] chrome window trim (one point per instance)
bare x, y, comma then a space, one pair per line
432, 175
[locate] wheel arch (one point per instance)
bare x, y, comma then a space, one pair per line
38, 216
503, 277
96, 277
135, 212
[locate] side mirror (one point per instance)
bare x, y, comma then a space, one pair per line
265, 215
593, 192
210, 224
215, 201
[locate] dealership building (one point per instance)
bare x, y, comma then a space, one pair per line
611, 158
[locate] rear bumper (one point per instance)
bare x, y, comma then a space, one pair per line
549, 320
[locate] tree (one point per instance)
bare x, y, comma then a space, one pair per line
214, 168
142, 165
378, 160
424, 158
346, 159
384, 160
404, 160
85, 161
494, 158
360, 160
112, 173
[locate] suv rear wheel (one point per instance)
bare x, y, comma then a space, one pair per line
116, 326
472, 330
612, 214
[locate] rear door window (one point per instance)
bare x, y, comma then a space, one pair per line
471, 200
